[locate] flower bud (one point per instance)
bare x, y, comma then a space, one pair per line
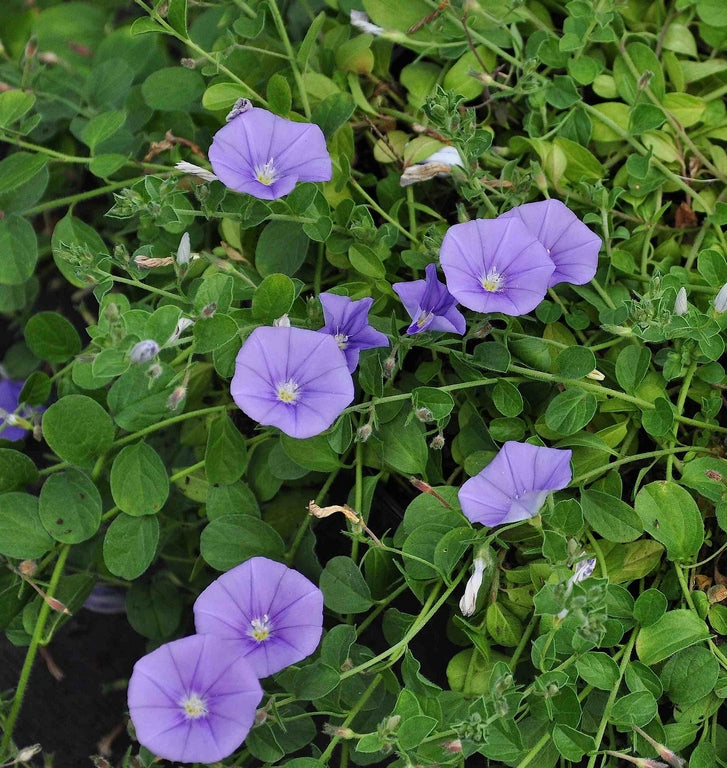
282, 322
583, 570
424, 414
145, 351
240, 106
337, 730
680, 303
712, 474
154, 371
596, 375
208, 311
188, 63
27, 753
184, 250
176, 398
363, 433
720, 300
27, 567
389, 365
437, 442
468, 602
195, 170
452, 747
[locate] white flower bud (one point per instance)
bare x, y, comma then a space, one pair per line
360, 20
195, 170
145, 351
469, 600
184, 251
174, 400
583, 570
680, 303
182, 325
282, 322
596, 375
720, 300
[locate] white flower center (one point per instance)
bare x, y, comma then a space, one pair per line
424, 318
341, 340
194, 706
260, 629
288, 391
492, 281
266, 173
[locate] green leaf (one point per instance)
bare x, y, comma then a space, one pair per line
154, 610
571, 743
687, 109
139, 482
659, 421
689, 675
16, 470
22, 534
231, 539
130, 544
222, 96
18, 169
561, 92
632, 365
37, 389
650, 606
414, 730
507, 398
273, 298
172, 89
694, 476
177, 16
365, 261
278, 94
674, 631
582, 164
712, 12
13, 105
19, 249
634, 709
214, 332
405, 447
102, 127
645, 117
70, 506
344, 588
504, 628
438, 403
51, 337
421, 543
226, 454
281, 247
575, 362
610, 517
234, 499
78, 430
314, 453
570, 411
331, 113
671, 516
598, 669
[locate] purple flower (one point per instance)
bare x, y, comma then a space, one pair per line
515, 484
9, 401
430, 305
569, 242
193, 700
293, 379
273, 613
495, 265
348, 322
266, 156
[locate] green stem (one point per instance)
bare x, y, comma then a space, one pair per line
523, 641
173, 420
147, 287
681, 400
535, 751
43, 614
72, 199
280, 25
384, 215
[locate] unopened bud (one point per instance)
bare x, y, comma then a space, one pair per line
188, 63
680, 303
664, 752
481, 331
208, 311
282, 322
363, 433
452, 747
240, 106
596, 375
100, 762
195, 170
424, 414
720, 300
261, 715
437, 442
144, 351
391, 723
389, 365
182, 325
56, 605
336, 730
184, 250
27, 567
713, 475
27, 753
468, 602
583, 570
175, 399
154, 371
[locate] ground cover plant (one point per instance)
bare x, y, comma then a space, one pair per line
373, 351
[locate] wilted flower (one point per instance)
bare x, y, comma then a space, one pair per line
193, 700
293, 379
430, 305
496, 265
571, 245
680, 303
264, 155
360, 20
348, 322
720, 300
195, 170
144, 351
273, 613
515, 484
9, 403
282, 322
437, 164
437, 442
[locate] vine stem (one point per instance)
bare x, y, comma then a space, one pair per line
35, 642
681, 400
280, 25
72, 199
611, 699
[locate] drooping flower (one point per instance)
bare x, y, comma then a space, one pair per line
348, 322
495, 265
515, 484
293, 379
264, 155
571, 245
272, 612
193, 700
9, 403
430, 305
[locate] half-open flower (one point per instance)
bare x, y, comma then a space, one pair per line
264, 155
193, 700
430, 305
293, 379
348, 322
496, 265
571, 245
273, 613
515, 484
